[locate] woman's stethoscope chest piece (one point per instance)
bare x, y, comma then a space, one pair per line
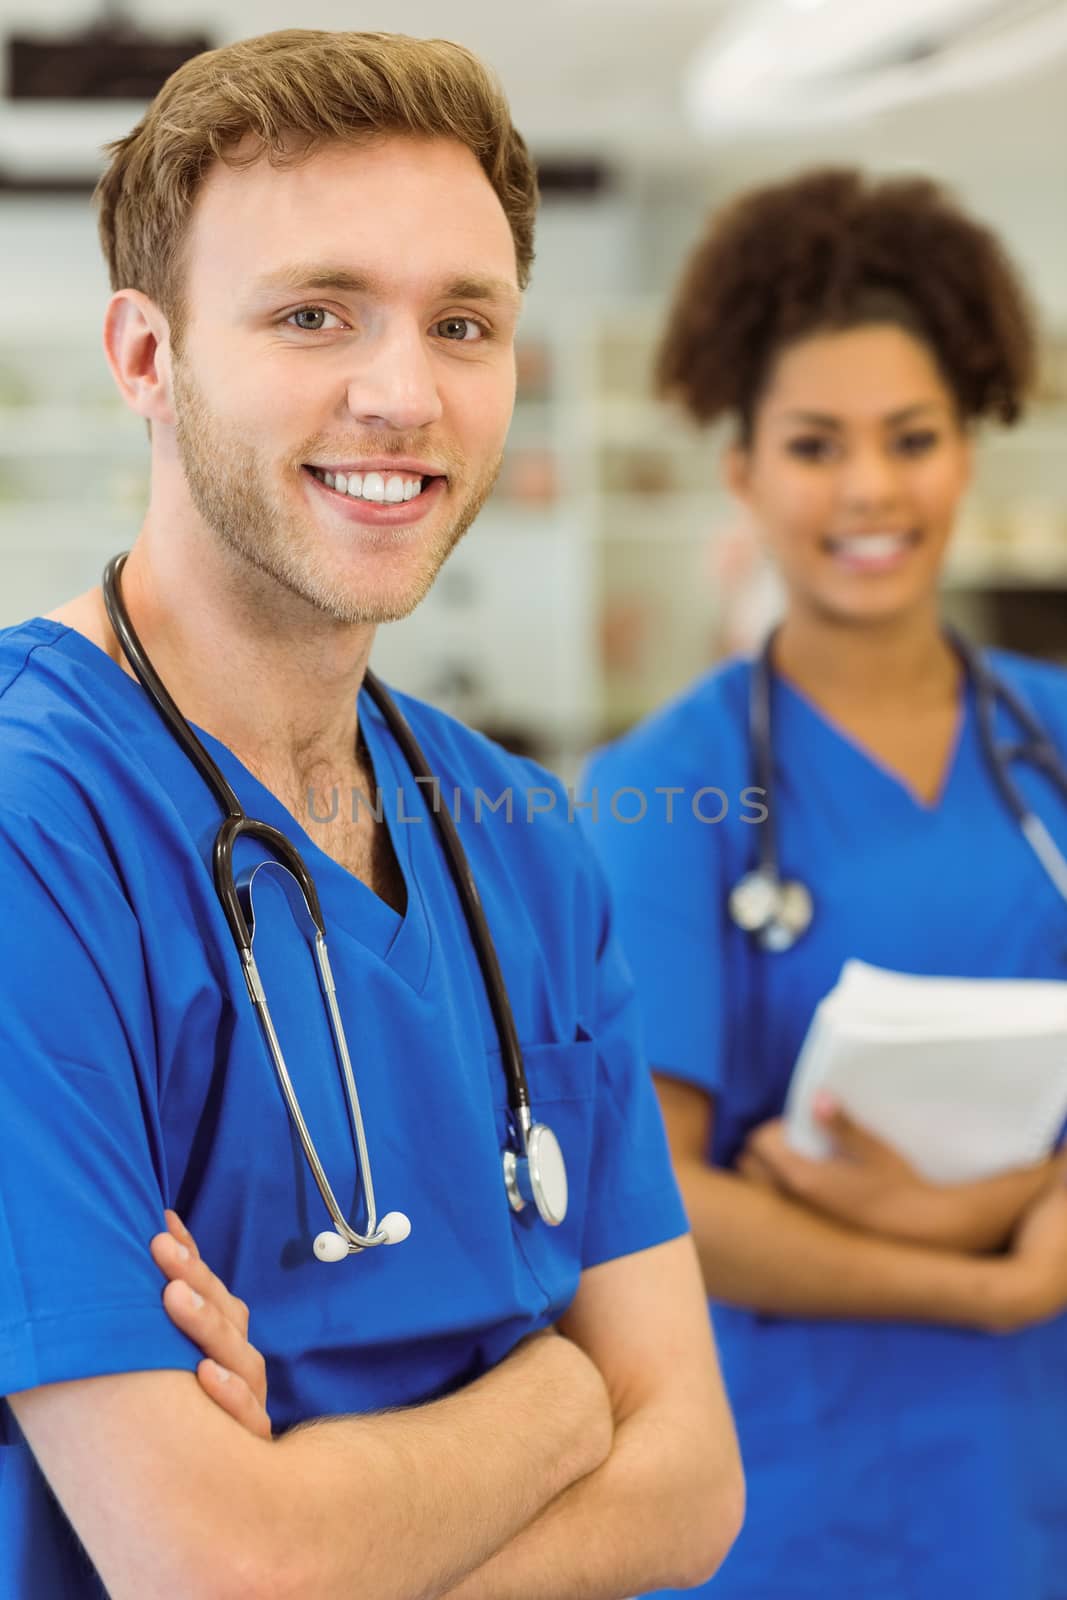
776, 912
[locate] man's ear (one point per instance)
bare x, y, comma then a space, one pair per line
137, 346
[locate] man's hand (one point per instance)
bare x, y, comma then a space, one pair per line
868, 1185
233, 1373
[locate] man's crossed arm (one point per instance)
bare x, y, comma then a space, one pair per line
592, 1463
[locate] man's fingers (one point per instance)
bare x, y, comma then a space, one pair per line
177, 1229
232, 1394
215, 1335
175, 1260
233, 1373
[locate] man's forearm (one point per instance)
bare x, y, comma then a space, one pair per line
761, 1250
458, 1479
590, 1543
398, 1506
665, 1507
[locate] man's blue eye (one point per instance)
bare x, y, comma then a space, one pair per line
310, 311
455, 328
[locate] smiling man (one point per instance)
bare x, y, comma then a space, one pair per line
317, 245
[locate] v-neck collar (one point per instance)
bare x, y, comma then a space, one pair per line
403, 942
833, 729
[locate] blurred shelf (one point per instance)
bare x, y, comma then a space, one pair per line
1043, 428
645, 424
71, 430
505, 515
994, 567
539, 410
60, 528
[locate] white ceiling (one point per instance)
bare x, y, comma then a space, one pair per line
593, 77
579, 73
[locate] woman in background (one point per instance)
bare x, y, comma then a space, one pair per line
894, 1352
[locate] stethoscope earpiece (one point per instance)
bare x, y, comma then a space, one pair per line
754, 901
329, 1246
393, 1228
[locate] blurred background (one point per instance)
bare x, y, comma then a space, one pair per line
609, 568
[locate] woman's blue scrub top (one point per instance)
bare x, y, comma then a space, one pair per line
133, 1074
885, 1462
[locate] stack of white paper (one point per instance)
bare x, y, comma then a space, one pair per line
965, 1077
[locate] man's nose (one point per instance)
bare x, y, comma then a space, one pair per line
395, 385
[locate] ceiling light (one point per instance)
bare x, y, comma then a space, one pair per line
815, 61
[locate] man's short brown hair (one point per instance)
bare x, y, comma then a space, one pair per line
288, 94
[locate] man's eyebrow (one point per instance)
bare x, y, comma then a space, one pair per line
498, 289
824, 419
313, 275
301, 275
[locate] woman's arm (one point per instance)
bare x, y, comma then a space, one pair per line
866, 1185
764, 1250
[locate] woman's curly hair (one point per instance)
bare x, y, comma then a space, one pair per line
829, 250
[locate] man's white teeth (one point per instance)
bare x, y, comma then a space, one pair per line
389, 490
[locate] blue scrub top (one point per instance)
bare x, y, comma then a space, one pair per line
885, 1462
133, 1074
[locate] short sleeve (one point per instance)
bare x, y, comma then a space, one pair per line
81, 1176
633, 1200
664, 872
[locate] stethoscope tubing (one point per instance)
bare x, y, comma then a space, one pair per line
1034, 747
238, 824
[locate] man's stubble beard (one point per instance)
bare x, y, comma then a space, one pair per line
226, 485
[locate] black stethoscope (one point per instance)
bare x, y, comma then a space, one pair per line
534, 1168
778, 911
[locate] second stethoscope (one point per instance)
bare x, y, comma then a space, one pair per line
778, 911
534, 1168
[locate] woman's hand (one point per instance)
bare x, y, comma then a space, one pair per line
866, 1184
1032, 1280
233, 1373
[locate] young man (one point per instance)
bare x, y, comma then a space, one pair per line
317, 244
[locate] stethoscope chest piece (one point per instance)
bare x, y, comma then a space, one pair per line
754, 901
539, 1177
777, 912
